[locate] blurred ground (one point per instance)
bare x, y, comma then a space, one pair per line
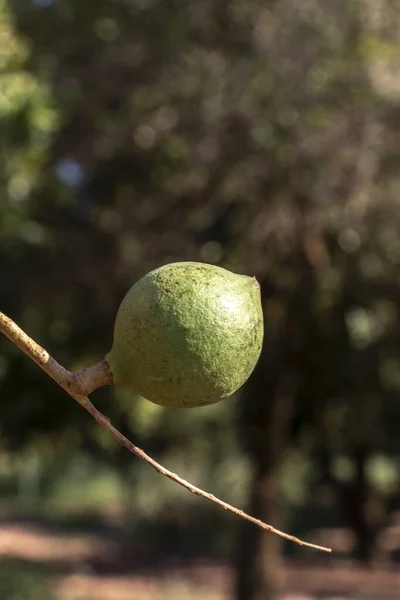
38, 562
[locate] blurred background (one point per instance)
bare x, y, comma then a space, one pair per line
261, 136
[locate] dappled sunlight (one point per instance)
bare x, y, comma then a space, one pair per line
260, 137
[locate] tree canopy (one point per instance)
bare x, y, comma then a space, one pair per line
260, 136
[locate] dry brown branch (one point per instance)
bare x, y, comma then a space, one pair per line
81, 383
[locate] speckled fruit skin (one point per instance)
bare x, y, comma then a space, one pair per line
187, 334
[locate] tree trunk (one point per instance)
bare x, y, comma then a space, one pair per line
258, 563
264, 430
364, 512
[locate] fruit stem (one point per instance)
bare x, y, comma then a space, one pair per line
79, 384
93, 377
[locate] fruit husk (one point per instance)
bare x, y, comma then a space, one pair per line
187, 334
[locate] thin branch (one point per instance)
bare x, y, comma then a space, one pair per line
81, 383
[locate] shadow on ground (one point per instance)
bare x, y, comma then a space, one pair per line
42, 560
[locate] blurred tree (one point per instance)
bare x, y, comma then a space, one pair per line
261, 136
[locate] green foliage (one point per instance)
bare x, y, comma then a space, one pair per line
19, 580
260, 137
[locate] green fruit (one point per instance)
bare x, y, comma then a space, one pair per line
187, 334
